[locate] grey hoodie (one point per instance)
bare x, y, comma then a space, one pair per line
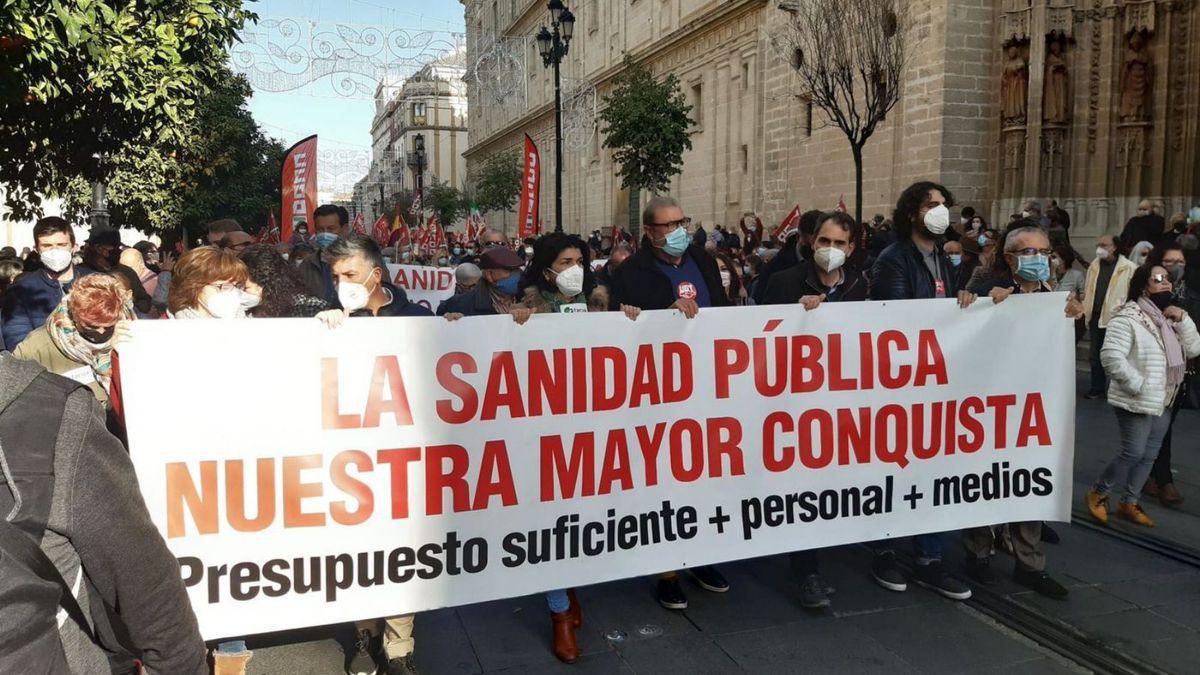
100, 536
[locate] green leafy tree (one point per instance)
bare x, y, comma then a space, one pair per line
443, 199
498, 185
646, 126
85, 81
229, 170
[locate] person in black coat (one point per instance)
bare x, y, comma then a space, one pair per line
361, 283
667, 272
915, 267
811, 283
797, 247
825, 278
497, 291
1145, 226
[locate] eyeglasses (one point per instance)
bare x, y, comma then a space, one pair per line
226, 286
1032, 251
674, 224
1160, 278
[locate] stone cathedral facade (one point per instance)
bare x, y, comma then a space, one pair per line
1095, 103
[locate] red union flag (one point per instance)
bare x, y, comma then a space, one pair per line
531, 180
380, 231
791, 222
298, 184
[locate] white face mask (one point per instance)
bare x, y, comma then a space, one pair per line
250, 300
829, 259
57, 259
225, 304
937, 220
570, 281
352, 295
726, 277
1101, 253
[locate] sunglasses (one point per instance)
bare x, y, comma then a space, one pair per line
1160, 278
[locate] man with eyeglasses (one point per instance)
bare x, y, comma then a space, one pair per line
1027, 252
670, 272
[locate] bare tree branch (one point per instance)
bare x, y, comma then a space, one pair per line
849, 56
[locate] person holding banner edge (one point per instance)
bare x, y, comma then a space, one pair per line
822, 278
358, 271
915, 267
669, 272
1026, 254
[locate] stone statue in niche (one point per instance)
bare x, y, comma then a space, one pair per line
1137, 74
1014, 86
1056, 96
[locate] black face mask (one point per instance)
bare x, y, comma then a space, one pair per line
97, 337
1162, 299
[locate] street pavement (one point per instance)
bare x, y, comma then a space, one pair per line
1135, 601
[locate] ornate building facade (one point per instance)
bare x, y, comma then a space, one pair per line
1095, 103
432, 103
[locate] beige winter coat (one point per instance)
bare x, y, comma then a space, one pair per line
1118, 289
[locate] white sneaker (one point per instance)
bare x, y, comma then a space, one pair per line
363, 662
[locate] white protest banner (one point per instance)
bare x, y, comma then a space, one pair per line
426, 286
399, 465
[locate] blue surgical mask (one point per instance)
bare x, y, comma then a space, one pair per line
325, 239
508, 286
1034, 267
955, 259
983, 240
676, 243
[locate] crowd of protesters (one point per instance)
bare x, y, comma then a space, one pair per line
68, 306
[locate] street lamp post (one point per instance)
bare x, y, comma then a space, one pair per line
417, 161
553, 43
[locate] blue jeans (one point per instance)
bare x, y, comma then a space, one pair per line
1141, 438
558, 601
231, 647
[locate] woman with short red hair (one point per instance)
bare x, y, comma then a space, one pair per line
209, 283
78, 337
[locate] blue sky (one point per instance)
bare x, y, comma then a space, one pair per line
343, 122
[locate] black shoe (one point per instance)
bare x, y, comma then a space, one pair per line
886, 573
813, 592
710, 579
670, 595
1093, 395
367, 652
1048, 535
403, 665
980, 571
932, 575
1040, 582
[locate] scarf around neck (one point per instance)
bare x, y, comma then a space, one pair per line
67, 339
1176, 364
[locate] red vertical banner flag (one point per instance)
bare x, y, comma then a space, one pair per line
531, 181
359, 226
298, 185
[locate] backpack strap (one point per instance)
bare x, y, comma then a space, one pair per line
23, 550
